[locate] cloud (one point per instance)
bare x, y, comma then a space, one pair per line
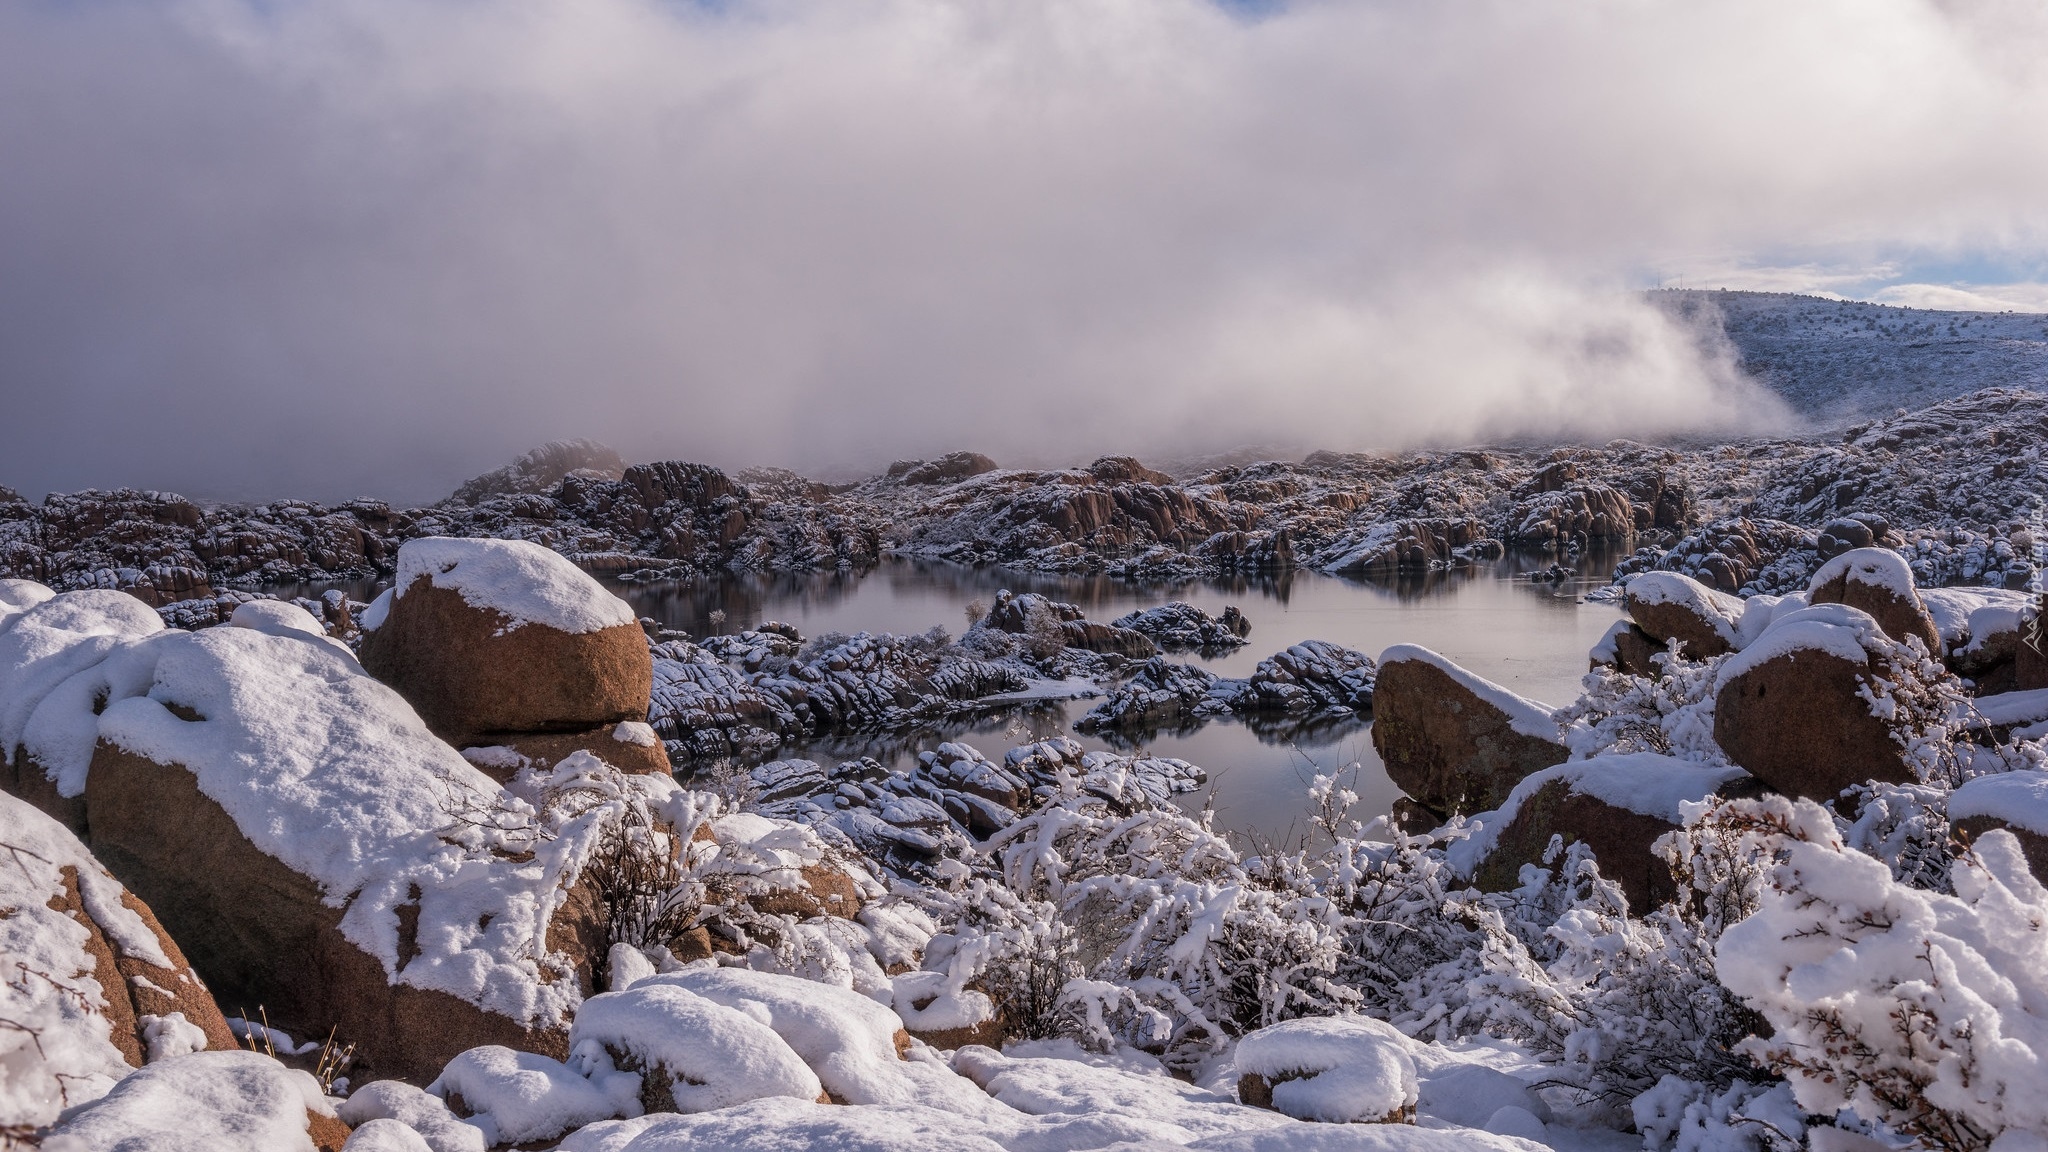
1956, 298
324, 247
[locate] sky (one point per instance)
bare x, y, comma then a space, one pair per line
338, 248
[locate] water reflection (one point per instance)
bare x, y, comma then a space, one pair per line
1529, 636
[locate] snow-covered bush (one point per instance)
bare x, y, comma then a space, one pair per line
1672, 715
1924, 1012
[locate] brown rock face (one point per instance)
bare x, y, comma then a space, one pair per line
261, 934
136, 987
1446, 747
470, 678
1633, 649
29, 781
1796, 723
828, 892
1901, 616
1690, 621
1619, 838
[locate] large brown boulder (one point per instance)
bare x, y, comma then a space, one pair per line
492, 637
316, 851
1789, 708
1618, 806
1671, 606
1454, 742
1879, 582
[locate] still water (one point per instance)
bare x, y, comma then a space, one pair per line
1531, 637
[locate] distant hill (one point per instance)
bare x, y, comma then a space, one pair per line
1839, 361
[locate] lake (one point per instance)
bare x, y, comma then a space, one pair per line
1529, 636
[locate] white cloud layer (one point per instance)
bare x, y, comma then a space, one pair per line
341, 246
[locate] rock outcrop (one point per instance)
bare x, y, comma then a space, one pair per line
297, 829
1671, 606
1456, 743
1880, 582
1792, 708
1616, 805
493, 640
91, 969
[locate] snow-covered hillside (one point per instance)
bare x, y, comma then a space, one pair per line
1838, 361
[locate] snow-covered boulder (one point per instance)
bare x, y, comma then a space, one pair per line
1454, 742
2014, 801
1342, 1070
315, 849
1795, 709
41, 648
394, 1103
220, 1101
1880, 582
1181, 627
521, 1097
854, 1044
690, 1053
100, 989
1617, 805
1671, 606
1628, 649
18, 596
494, 637
1982, 631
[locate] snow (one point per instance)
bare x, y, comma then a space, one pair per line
636, 732
421, 1112
1868, 983
1470, 1095
1875, 567
166, 1036
1060, 1078
205, 1102
18, 596
2016, 798
1975, 613
1365, 1138
332, 773
70, 1056
54, 640
2011, 709
526, 583
1761, 611
717, 1056
275, 617
386, 1136
1836, 629
517, 1097
1648, 783
846, 1038
786, 1125
1524, 715
65, 725
1339, 1069
1717, 610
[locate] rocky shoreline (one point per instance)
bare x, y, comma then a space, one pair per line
1957, 486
